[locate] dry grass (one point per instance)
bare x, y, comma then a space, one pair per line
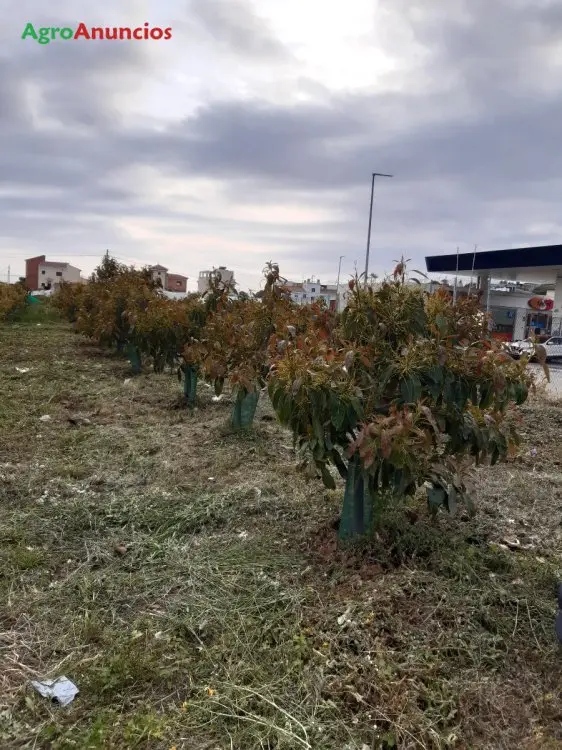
187, 580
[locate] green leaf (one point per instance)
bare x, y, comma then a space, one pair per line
451, 501
317, 399
339, 463
357, 407
275, 395
449, 390
442, 324
387, 375
436, 374
434, 389
319, 452
337, 410
410, 389
462, 393
436, 497
486, 396
327, 477
318, 429
285, 409
521, 393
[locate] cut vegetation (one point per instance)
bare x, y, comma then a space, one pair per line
189, 581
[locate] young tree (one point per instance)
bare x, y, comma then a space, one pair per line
108, 269
408, 389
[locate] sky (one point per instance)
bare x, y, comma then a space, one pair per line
252, 133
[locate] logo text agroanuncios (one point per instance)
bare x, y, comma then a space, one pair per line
46, 34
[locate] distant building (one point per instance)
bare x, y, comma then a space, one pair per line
41, 273
517, 309
171, 282
312, 290
204, 276
177, 283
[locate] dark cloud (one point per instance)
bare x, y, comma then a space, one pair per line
474, 146
495, 52
240, 30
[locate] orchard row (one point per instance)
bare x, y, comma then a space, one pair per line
402, 389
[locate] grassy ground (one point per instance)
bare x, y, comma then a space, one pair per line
188, 580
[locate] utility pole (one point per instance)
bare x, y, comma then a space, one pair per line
456, 278
338, 286
375, 174
472, 272
8, 274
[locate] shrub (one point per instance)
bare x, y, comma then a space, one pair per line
68, 299
13, 298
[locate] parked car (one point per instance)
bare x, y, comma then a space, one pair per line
553, 347
517, 348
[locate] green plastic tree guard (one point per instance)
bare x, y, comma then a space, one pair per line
244, 409
190, 374
134, 355
357, 512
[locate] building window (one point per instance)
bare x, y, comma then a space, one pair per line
42, 273
59, 273
178, 283
313, 289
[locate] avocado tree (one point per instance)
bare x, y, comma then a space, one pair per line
409, 389
197, 346
162, 329
108, 308
237, 337
13, 298
68, 299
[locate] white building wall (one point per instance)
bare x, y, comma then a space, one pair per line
162, 276
519, 324
312, 291
557, 311
55, 274
204, 276
174, 295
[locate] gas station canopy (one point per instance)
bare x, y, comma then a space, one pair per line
541, 265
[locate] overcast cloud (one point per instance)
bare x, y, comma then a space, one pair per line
252, 133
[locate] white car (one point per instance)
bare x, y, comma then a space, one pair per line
553, 347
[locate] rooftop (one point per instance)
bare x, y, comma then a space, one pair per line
542, 263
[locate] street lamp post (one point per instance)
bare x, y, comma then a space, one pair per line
375, 174
338, 285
